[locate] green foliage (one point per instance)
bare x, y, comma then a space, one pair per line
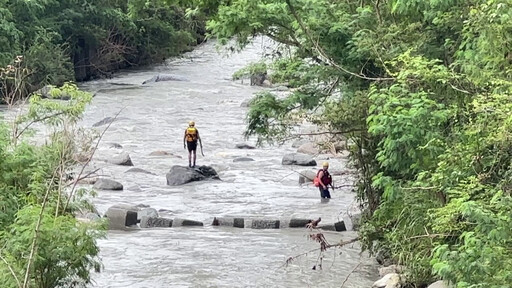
43, 244
96, 37
67, 250
9, 35
422, 89
250, 70
48, 61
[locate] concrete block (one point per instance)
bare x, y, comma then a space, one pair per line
229, 221
298, 223
120, 218
148, 222
185, 222
265, 224
239, 222
338, 227
148, 212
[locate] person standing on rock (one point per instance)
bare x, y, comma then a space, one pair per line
191, 137
324, 180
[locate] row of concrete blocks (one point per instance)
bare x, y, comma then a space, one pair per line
120, 219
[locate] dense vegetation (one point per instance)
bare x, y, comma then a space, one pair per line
422, 89
41, 242
67, 40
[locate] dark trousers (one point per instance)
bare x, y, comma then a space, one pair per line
324, 193
192, 146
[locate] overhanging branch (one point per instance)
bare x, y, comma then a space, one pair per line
322, 53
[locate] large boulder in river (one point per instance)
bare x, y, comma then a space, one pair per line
308, 148
306, 176
298, 159
107, 184
122, 159
297, 143
179, 175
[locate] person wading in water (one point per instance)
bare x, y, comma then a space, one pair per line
191, 137
322, 180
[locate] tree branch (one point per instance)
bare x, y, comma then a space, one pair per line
83, 177
12, 271
33, 248
348, 276
340, 244
320, 50
36, 121
377, 10
431, 236
327, 132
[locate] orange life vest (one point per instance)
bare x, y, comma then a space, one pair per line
191, 134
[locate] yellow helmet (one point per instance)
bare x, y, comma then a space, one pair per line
191, 123
326, 164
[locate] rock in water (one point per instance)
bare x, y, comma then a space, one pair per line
107, 184
165, 77
298, 159
179, 175
122, 159
308, 148
138, 170
104, 121
243, 159
244, 146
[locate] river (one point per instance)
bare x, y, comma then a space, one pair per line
153, 118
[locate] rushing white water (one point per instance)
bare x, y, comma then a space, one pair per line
153, 118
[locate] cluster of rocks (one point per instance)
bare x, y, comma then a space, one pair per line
178, 175
392, 275
396, 280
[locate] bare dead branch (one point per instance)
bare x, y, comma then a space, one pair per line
340, 244
349, 274
458, 89
297, 135
36, 121
420, 188
377, 10
431, 236
83, 177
